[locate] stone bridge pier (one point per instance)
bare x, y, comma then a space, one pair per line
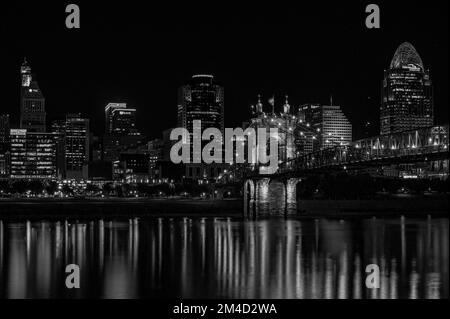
270, 196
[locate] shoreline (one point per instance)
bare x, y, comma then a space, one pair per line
229, 208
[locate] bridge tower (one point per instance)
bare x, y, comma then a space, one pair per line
259, 196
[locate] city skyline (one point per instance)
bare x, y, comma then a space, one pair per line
209, 152
66, 149
35, 94
309, 69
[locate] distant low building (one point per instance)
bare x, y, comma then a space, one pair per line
114, 145
166, 170
133, 168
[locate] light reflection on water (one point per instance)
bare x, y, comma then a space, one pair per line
224, 258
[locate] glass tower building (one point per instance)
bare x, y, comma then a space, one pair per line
201, 99
407, 93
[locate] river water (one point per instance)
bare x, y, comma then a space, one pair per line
225, 258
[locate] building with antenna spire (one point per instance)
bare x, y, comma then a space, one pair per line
286, 106
32, 102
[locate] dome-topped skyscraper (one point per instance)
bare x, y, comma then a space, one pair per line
407, 95
405, 56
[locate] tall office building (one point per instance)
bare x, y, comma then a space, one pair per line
58, 128
33, 155
32, 102
124, 122
329, 126
407, 94
120, 120
121, 134
201, 99
76, 146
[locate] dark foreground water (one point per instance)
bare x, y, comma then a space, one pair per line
225, 258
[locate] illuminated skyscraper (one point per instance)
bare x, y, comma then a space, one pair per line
109, 109
201, 99
77, 146
124, 121
32, 102
120, 120
407, 96
120, 131
59, 130
329, 126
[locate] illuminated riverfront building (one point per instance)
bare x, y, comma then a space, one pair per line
120, 120
133, 168
33, 155
109, 109
58, 128
329, 125
407, 104
76, 146
407, 95
121, 133
202, 99
32, 102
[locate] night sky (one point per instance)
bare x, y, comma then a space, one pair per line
139, 53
